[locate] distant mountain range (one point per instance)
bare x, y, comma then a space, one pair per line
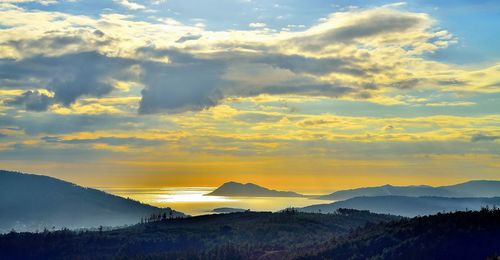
33, 202
236, 189
467, 189
476, 188
405, 205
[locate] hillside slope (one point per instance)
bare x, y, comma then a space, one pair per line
459, 235
33, 202
246, 235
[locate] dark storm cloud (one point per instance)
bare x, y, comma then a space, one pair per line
452, 82
175, 56
68, 76
116, 141
31, 100
33, 124
315, 122
86, 76
59, 40
328, 90
317, 66
37, 153
405, 84
192, 83
186, 84
374, 24
50, 42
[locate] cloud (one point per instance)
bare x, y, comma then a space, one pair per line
53, 124
257, 25
42, 2
188, 37
349, 27
69, 76
257, 118
484, 137
32, 100
187, 83
116, 141
130, 5
311, 65
358, 54
316, 122
55, 43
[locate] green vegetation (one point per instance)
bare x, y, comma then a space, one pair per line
224, 236
347, 234
459, 235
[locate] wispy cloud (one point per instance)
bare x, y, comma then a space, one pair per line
130, 5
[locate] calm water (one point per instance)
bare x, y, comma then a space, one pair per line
192, 200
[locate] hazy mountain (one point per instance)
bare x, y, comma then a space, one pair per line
467, 189
249, 190
406, 206
246, 235
476, 188
31, 202
228, 210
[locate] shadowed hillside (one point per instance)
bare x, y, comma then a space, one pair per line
459, 235
247, 235
33, 202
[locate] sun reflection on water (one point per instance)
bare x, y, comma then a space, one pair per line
194, 201
191, 196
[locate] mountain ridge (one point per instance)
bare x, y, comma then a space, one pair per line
406, 206
236, 189
29, 202
472, 188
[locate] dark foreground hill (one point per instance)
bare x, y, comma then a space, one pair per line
406, 206
33, 202
459, 235
475, 188
247, 235
249, 190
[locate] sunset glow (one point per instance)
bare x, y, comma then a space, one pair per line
295, 95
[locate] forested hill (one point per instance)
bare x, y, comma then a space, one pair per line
29, 202
248, 235
459, 235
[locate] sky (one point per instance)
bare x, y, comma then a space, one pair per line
297, 95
